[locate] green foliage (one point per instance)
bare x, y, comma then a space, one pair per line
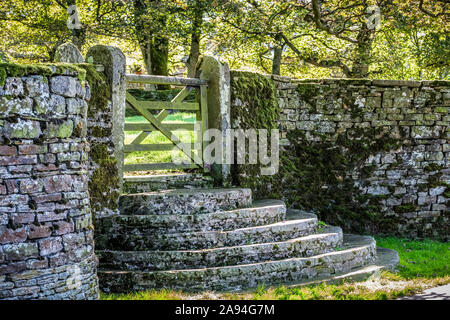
406, 208
433, 167
308, 91
160, 35
3, 76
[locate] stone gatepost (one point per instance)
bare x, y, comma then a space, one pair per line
114, 64
218, 75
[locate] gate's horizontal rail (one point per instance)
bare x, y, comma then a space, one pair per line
137, 78
157, 166
149, 127
154, 147
168, 105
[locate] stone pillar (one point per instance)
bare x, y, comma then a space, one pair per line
68, 53
114, 63
46, 231
218, 75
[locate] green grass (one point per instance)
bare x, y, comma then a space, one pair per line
423, 264
425, 258
158, 138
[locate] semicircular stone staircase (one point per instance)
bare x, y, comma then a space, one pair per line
219, 239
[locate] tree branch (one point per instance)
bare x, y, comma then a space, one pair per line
429, 13
321, 26
318, 63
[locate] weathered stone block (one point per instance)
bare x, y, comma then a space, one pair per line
31, 185
64, 86
13, 87
58, 183
50, 245
36, 86
423, 132
50, 216
24, 129
8, 150
22, 106
8, 235
12, 268
41, 231
57, 104
34, 264
73, 240
63, 227
59, 130
437, 191
20, 251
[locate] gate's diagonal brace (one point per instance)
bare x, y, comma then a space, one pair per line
163, 114
155, 122
141, 137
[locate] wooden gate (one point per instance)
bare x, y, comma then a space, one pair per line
146, 109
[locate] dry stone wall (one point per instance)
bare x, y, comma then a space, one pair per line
46, 232
368, 155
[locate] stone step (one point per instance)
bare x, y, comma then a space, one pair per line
280, 231
149, 183
306, 246
261, 213
360, 251
184, 201
386, 259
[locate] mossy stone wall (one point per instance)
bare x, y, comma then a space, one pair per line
371, 156
46, 230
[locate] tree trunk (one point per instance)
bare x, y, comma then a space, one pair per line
146, 47
79, 37
363, 52
276, 62
277, 55
154, 48
194, 52
159, 56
